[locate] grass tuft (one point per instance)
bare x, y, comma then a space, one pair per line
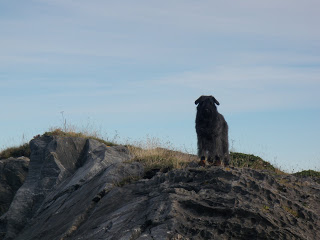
18, 151
315, 175
308, 173
241, 160
291, 211
81, 134
155, 155
24, 149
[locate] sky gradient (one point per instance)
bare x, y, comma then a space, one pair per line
135, 68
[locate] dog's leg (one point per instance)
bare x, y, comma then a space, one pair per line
217, 161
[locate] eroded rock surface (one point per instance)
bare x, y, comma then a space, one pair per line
83, 192
67, 177
212, 203
13, 172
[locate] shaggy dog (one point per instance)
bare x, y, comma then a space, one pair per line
212, 132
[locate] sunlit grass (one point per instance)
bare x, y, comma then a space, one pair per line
71, 132
16, 151
154, 154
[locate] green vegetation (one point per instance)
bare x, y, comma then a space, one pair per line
265, 208
315, 175
308, 173
153, 155
23, 150
291, 211
251, 161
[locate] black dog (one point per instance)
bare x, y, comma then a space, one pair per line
212, 132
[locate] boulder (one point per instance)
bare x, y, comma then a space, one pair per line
67, 177
13, 172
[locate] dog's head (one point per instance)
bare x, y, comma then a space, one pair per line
206, 100
207, 104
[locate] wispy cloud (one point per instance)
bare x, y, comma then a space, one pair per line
255, 88
153, 31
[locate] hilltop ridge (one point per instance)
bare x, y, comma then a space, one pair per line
79, 188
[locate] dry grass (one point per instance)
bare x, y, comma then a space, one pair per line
291, 211
17, 151
72, 132
151, 152
154, 154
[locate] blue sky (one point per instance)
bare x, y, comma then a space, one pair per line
135, 68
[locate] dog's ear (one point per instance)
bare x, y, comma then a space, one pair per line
215, 101
199, 100
202, 98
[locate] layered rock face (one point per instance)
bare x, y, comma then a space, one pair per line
80, 189
214, 203
67, 177
13, 172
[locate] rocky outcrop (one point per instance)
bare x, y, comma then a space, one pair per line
212, 203
67, 177
81, 189
13, 172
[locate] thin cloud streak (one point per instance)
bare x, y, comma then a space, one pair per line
253, 89
246, 16
127, 30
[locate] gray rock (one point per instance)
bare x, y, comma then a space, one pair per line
13, 172
83, 192
212, 203
67, 178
